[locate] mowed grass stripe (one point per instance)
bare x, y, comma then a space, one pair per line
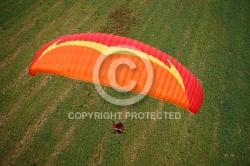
137, 148
61, 145
21, 88
10, 15
99, 156
4, 5
47, 27
99, 18
41, 36
144, 21
18, 86
82, 18
125, 147
31, 131
218, 105
29, 111
14, 37
192, 59
194, 54
51, 133
20, 47
30, 35
25, 21
178, 31
88, 131
197, 63
12, 108
15, 83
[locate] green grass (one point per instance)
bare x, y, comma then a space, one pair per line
211, 38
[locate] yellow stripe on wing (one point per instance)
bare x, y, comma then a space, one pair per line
105, 50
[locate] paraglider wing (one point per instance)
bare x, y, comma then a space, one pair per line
75, 56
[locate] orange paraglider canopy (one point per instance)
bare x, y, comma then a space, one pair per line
76, 55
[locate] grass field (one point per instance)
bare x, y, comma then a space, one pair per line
211, 38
